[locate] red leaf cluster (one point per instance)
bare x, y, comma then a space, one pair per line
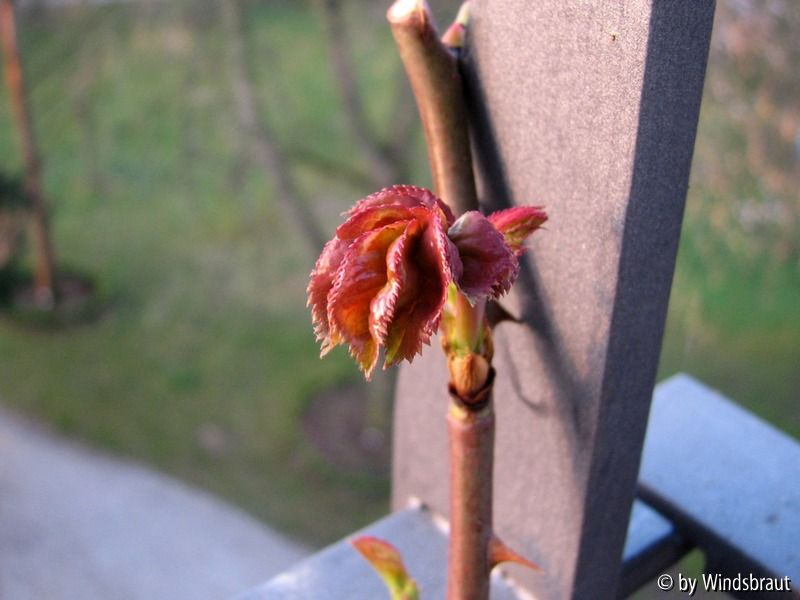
382, 280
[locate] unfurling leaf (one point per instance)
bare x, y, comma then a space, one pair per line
388, 563
489, 264
455, 34
383, 280
517, 223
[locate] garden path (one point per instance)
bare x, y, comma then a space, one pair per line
75, 523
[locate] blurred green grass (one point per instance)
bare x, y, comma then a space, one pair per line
735, 325
734, 316
205, 328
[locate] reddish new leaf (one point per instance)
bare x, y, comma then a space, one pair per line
489, 264
517, 223
388, 563
382, 281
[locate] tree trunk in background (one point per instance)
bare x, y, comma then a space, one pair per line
40, 234
265, 150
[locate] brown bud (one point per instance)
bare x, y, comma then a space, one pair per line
468, 374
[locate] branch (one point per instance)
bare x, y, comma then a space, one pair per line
438, 89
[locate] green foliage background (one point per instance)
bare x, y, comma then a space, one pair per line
203, 273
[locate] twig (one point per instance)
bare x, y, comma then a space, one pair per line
473, 549
437, 86
471, 446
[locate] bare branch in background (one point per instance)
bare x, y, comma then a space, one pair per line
89, 66
265, 151
373, 153
326, 166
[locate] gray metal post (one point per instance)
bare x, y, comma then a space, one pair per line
590, 108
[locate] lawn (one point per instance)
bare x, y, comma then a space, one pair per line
202, 362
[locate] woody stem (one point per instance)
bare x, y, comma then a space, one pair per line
433, 72
438, 89
471, 444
